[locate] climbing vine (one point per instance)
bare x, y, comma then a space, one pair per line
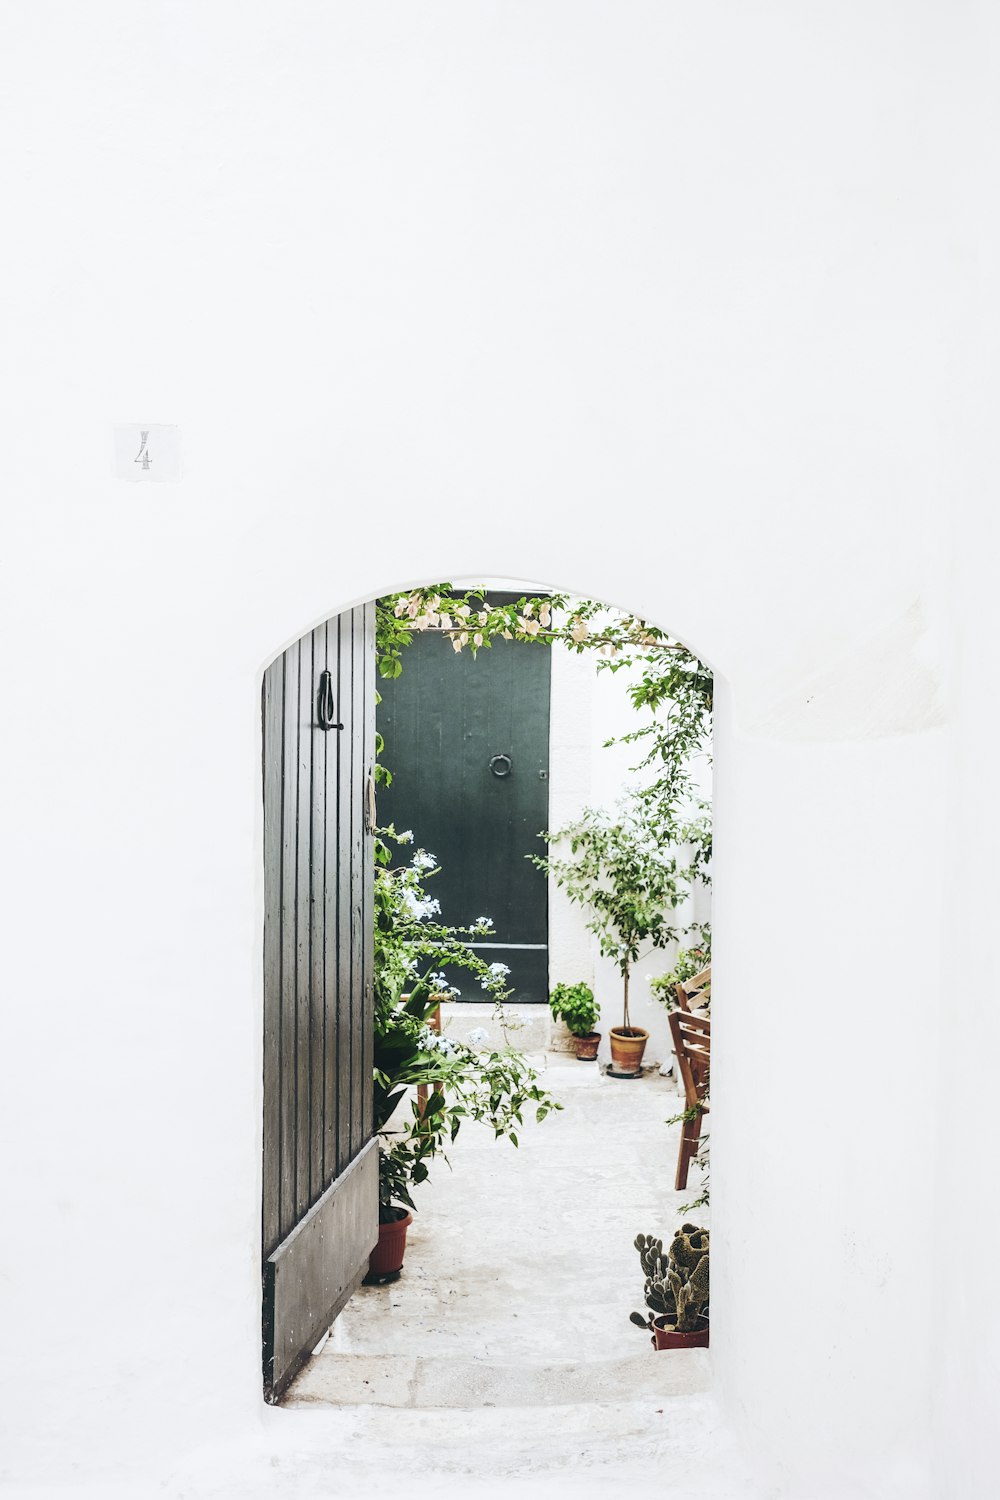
670, 688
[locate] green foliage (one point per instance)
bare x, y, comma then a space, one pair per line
676, 1284
626, 873
574, 1004
496, 1087
689, 962
672, 686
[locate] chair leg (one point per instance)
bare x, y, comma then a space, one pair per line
690, 1135
683, 1160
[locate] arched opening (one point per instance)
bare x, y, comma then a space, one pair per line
525, 724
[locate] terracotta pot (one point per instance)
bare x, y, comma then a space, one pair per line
586, 1046
665, 1335
388, 1253
627, 1047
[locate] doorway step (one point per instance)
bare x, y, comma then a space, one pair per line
428, 1383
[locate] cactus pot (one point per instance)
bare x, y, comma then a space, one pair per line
628, 1043
387, 1256
665, 1335
586, 1046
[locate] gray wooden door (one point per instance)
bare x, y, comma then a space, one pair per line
320, 1208
467, 742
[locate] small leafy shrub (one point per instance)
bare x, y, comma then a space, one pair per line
575, 1004
495, 1087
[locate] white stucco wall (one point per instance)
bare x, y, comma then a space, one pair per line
589, 707
687, 307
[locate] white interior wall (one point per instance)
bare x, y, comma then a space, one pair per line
590, 706
576, 291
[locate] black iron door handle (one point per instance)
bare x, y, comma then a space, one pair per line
324, 703
501, 765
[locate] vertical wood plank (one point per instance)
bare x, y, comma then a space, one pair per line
271, 717
317, 931
358, 841
303, 932
289, 860
330, 905
345, 661
368, 892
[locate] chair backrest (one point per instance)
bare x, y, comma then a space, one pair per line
692, 1036
695, 991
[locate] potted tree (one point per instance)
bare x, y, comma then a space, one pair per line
624, 871
676, 1289
574, 1004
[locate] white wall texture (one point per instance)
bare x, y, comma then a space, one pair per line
692, 308
589, 707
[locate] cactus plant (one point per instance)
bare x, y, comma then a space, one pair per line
676, 1282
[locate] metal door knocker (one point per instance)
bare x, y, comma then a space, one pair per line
501, 765
324, 703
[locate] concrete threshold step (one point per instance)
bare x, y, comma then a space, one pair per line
427, 1383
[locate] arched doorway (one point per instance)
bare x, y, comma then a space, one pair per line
319, 752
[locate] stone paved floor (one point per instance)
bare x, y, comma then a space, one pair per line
524, 1255
503, 1363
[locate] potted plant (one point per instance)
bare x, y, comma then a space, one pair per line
623, 870
412, 1058
676, 1289
574, 1004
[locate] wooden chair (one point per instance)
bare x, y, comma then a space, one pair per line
696, 991
692, 1037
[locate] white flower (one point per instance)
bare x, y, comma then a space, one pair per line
579, 631
422, 860
413, 606
477, 639
528, 610
398, 608
506, 635
500, 970
483, 616
463, 611
464, 637
432, 1041
545, 614
483, 922
445, 622
530, 627
456, 643
405, 838
477, 1036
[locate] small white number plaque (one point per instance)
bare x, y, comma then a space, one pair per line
145, 451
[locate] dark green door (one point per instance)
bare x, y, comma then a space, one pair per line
467, 742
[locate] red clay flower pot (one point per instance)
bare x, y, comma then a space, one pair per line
665, 1335
627, 1047
586, 1046
387, 1256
